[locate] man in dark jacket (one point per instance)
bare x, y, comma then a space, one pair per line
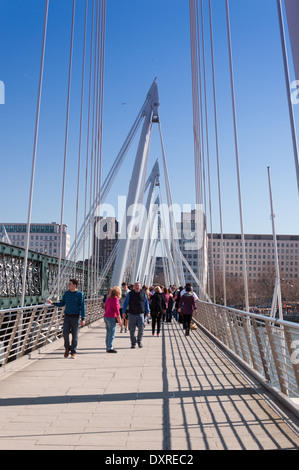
186, 307
136, 303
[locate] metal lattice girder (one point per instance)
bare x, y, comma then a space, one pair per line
41, 274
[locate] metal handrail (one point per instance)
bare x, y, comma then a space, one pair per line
268, 346
23, 330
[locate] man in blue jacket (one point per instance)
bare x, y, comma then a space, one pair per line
74, 303
136, 303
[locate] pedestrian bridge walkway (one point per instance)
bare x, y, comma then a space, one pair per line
176, 393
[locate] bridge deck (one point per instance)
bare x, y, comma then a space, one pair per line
176, 392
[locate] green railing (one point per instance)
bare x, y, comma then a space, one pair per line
42, 273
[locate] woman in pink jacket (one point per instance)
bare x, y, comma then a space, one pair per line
111, 317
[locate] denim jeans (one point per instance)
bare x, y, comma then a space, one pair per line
71, 325
175, 314
168, 314
136, 320
110, 331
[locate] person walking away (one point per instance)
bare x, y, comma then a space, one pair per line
157, 306
186, 307
166, 298
192, 291
137, 304
147, 291
124, 315
177, 297
169, 307
74, 303
111, 317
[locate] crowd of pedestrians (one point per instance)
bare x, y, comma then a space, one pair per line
131, 307
139, 304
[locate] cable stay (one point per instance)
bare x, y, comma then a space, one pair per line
135, 187
67, 266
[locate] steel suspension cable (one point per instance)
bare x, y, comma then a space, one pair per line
237, 156
105, 187
202, 154
34, 151
91, 258
87, 150
101, 103
198, 126
80, 137
173, 228
195, 94
66, 142
217, 151
208, 147
96, 153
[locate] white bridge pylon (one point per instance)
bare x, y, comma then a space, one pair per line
143, 225
146, 227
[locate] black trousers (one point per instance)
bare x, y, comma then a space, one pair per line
156, 319
186, 321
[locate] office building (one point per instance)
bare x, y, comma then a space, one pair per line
259, 250
104, 239
260, 254
44, 237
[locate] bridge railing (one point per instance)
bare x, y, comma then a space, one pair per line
269, 347
23, 330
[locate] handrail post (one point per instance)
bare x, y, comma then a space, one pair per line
281, 380
261, 351
295, 365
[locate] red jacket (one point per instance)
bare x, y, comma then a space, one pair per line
111, 307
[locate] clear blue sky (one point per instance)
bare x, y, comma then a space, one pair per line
147, 39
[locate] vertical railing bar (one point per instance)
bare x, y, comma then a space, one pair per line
216, 325
228, 328
1, 319
230, 322
261, 351
40, 328
51, 323
246, 325
59, 319
14, 331
224, 327
238, 335
221, 326
295, 365
276, 359
29, 325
